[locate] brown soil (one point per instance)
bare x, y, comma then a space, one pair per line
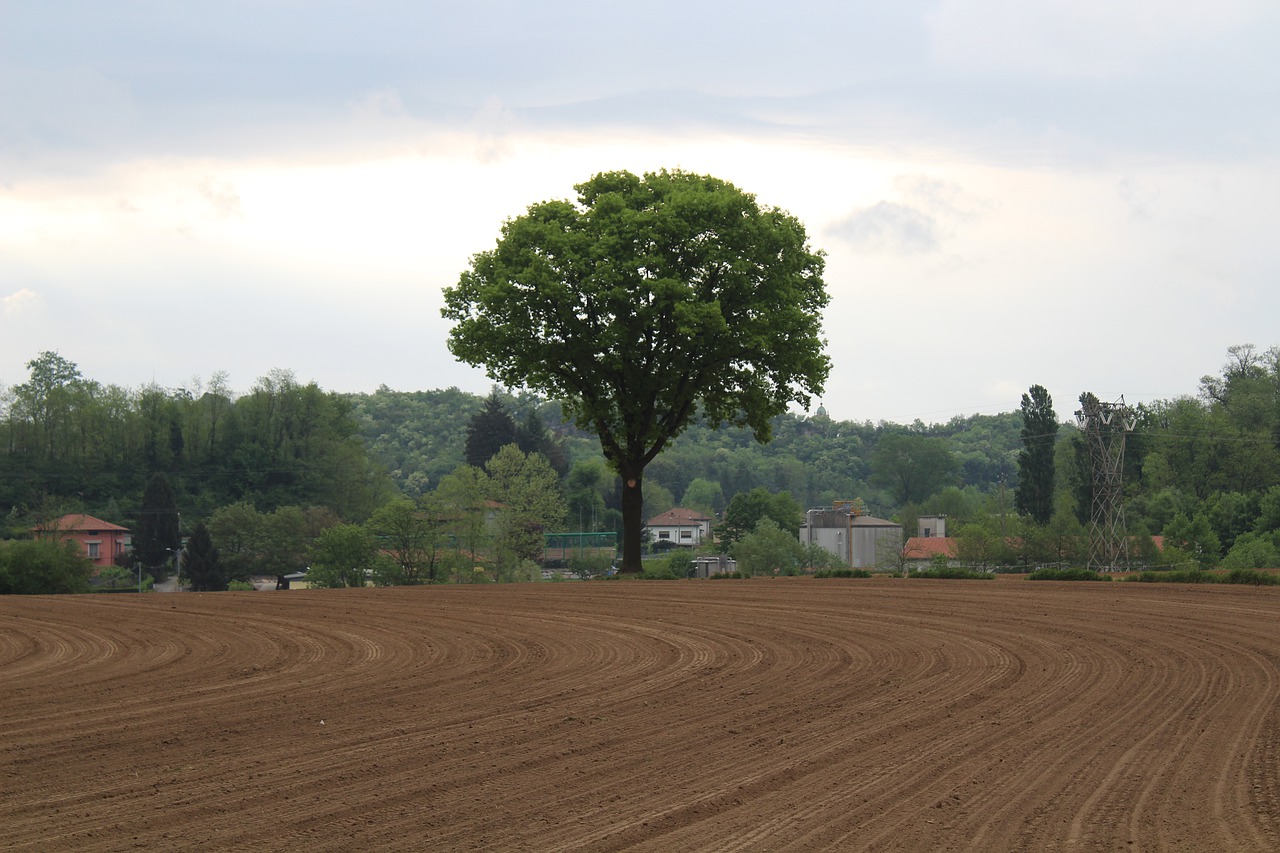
779, 715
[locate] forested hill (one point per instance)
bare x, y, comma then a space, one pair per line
420, 436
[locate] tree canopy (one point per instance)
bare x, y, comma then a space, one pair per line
648, 301
1034, 495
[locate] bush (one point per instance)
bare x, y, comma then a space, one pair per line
1067, 575
660, 572
241, 586
42, 567
953, 573
842, 573
1252, 577
1188, 576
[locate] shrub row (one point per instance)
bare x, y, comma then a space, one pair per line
842, 573
953, 573
1067, 575
1251, 577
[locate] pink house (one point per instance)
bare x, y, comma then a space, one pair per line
99, 540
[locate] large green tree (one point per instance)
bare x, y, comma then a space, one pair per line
526, 488
1034, 495
411, 536
650, 300
747, 509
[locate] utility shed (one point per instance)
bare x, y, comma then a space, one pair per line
855, 538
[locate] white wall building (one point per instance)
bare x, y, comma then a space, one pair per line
685, 527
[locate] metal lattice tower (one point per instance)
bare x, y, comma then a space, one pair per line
1105, 426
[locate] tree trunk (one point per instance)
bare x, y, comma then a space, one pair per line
632, 523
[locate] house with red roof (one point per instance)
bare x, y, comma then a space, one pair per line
99, 540
925, 548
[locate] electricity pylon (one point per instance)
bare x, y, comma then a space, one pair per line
1106, 425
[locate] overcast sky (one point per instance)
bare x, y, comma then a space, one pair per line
1081, 194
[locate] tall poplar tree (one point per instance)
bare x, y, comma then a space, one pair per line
1034, 495
157, 530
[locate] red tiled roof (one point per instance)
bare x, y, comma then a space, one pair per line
926, 548
678, 518
80, 521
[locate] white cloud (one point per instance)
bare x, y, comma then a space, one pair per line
889, 226
24, 302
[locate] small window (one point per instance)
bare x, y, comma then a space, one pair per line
686, 534
664, 534
93, 549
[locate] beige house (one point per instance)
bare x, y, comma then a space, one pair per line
686, 527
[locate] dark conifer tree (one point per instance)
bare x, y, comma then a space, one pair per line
201, 563
533, 437
157, 530
491, 429
1034, 495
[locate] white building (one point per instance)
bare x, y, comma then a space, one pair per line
680, 527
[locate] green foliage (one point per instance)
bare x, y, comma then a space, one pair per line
842, 573
265, 543
412, 538
116, 577
1248, 577
588, 566
704, 495
977, 545
528, 491
747, 509
42, 567
491, 429
648, 302
1176, 576
953, 573
659, 571
343, 556
1194, 536
1035, 493
1268, 519
281, 443
241, 586
679, 561
202, 565
817, 557
1253, 551
156, 534
1252, 577
768, 550
1048, 574
912, 467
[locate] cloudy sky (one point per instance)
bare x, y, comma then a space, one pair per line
1082, 194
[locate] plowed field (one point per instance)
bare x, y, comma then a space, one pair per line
794, 714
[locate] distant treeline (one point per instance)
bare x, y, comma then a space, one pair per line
1203, 468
